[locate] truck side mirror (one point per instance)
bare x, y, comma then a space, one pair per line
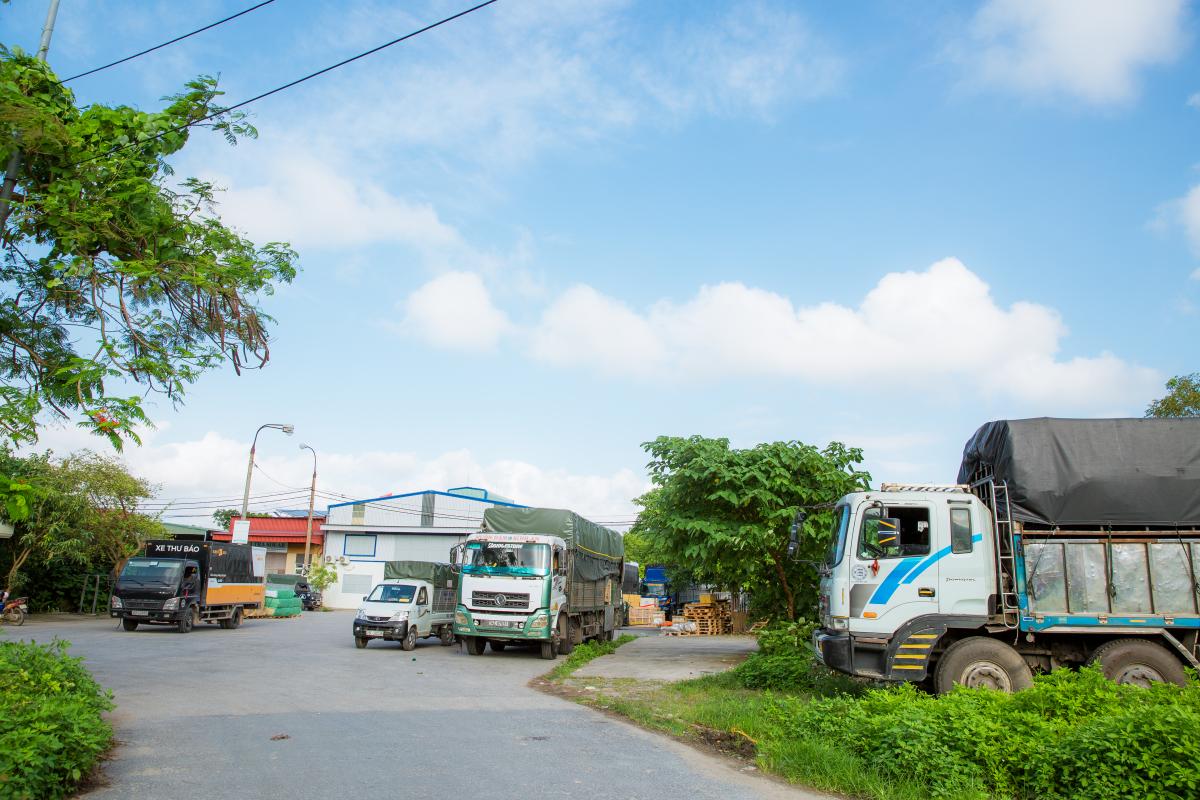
793, 548
456, 558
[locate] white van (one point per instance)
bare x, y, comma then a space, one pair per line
415, 601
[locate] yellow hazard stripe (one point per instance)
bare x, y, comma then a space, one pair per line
924, 636
917, 656
908, 666
915, 646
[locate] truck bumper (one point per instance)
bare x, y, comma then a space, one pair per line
388, 631
834, 650
467, 624
152, 615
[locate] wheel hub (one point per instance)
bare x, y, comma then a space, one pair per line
987, 675
1138, 675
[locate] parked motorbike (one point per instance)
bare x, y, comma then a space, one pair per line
13, 611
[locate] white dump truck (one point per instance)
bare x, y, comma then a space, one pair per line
415, 601
1063, 542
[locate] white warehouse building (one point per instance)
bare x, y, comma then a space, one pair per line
360, 535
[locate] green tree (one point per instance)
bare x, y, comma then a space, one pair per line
222, 516
116, 276
1182, 398
53, 529
722, 515
117, 530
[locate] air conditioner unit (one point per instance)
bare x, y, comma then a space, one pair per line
328, 559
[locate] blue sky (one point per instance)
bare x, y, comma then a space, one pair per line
536, 237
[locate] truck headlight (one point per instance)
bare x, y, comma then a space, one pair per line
116, 603
172, 604
839, 623
461, 619
540, 621
400, 616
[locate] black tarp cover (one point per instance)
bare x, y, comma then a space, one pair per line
1066, 472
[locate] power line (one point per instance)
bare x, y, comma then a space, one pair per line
172, 41
286, 86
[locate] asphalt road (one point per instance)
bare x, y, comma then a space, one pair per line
290, 709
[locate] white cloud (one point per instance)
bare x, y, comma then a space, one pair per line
213, 469
1194, 101
1088, 49
455, 311
1188, 208
303, 200
1196, 274
935, 331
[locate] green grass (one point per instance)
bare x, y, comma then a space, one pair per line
584, 653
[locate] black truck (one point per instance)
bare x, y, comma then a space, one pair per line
181, 583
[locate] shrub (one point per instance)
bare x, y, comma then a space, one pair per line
786, 662
51, 727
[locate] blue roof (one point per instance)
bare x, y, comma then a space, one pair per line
429, 491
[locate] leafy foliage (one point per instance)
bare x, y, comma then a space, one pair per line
786, 662
51, 728
112, 272
1182, 398
321, 575
223, 516
723, 515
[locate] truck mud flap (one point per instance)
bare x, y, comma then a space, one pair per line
910, 653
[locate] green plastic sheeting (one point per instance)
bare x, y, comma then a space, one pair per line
441, 576
598, 551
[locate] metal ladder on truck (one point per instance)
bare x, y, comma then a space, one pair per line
995, 495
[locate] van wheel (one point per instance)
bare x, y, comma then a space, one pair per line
446, 634
549, 652
409, 642
979, 662
129, 624
476, 645
1138, 662
360, 642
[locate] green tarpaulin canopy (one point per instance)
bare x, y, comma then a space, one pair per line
439, 575
599, 551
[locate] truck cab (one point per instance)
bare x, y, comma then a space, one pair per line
904, 565
404, 610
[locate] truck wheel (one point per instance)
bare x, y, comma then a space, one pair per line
129, 624
409, 642
187, 621
446, 634
476, 645
566, 645
977, 662
1138, 662
234, 620
497, 647
549, 652
360, 642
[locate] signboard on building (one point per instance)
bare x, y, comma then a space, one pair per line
241, 531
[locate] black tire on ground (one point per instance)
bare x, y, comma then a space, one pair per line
446, 634
475, 645
234, 620
566, 645
549, 651
978, 661
1138, 662
497, 647
409, 642
187, 621
360, 642
129, 624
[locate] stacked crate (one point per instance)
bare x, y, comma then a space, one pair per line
711, 619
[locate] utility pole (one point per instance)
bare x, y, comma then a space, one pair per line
14, 161
312, 496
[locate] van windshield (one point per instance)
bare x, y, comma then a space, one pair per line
392, 593
142, 571
507, 558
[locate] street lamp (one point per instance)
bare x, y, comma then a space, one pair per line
312, 496
250, 467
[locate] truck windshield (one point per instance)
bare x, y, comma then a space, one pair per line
507, 558
837, 539
392, 593
142, 571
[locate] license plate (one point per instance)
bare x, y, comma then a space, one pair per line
371, 633
499, 623
140, 613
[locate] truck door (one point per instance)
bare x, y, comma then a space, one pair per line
893, 571
963, 579
422, 611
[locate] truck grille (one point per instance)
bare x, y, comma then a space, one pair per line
376, 619
154, 604
499, 600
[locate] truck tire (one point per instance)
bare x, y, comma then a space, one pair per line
1138, 662
549, 651
234, 620
129, 624
188, 620
978, 661
360, 642
566, 645
475, 645
497, 646
409, 642
446, 634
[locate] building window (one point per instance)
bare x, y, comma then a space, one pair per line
960, 530
359, 544
299, 563
358, 514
